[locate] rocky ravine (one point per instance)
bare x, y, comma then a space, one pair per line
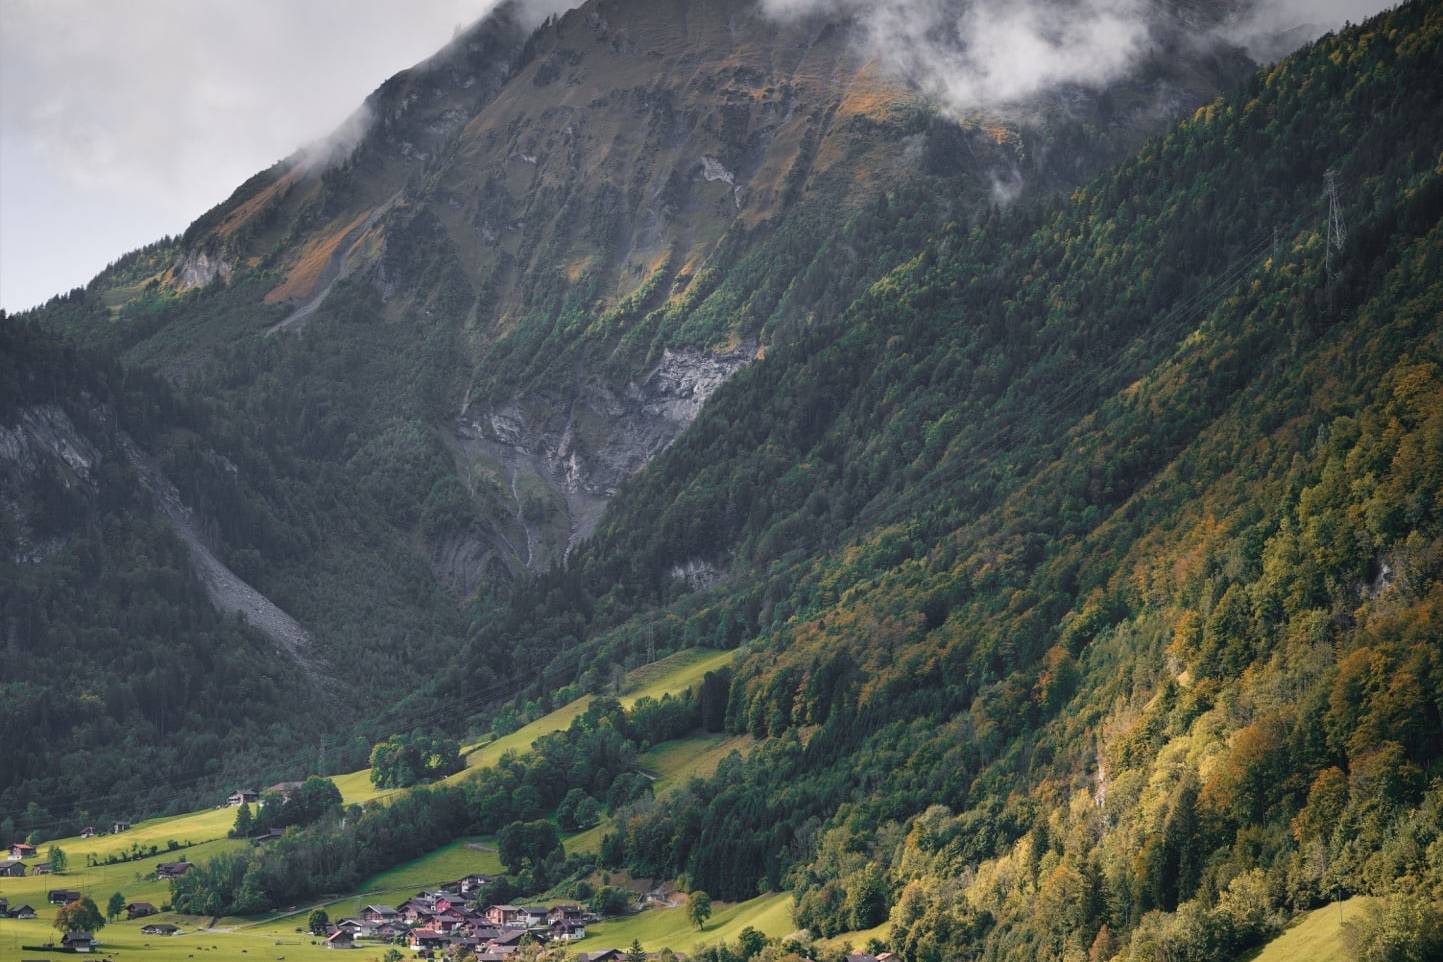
584, 439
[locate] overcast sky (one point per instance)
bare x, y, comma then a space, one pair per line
123, 120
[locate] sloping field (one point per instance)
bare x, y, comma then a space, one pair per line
275, 936
1314, 937
656, 929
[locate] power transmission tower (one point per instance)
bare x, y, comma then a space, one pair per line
650, 645
1337, 229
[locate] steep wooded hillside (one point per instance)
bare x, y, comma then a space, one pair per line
1089, 564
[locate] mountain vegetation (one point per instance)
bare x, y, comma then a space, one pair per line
1083, 555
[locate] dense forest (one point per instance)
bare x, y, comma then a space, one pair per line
114, 658
1083, 555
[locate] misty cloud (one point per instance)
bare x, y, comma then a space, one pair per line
971, 54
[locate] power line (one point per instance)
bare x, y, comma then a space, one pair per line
1337, 229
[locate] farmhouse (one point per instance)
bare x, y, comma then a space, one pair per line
40, 868
341, 939
565, 913
284, 789
243, 796
469, 885
62, 896
20, 850
22, 912
88, 831
378, 913
605, 955
506, 916
427, 939
12, 869
567, 931
159, 928
167, 870
78, 941
139, 910
120, 826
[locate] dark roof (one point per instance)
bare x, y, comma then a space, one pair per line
164, 927
77, 937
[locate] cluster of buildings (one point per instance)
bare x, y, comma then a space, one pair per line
249, 796
443, 921
14, 866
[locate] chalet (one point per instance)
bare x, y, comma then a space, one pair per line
41, 868
532, 915
508, 940
284, 789
78, 942
447, 901
605, 955
22, 912
167, 870
469, 885
139, 910
427, 939
12, 869
20, 850
88, 831
565, 913
390, 930
269, 836
120, 826
62, 896
567, 931
243, 796
341, 939
448, 921
506, 916
159, 928
378, 913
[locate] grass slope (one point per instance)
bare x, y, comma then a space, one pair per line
656, 929
1316, 936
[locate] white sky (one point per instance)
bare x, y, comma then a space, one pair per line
123, 120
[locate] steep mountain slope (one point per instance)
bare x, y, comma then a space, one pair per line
119, 655
1090, 562
583, 232
416, 361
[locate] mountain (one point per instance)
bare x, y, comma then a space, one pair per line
413, 363
1081, 555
